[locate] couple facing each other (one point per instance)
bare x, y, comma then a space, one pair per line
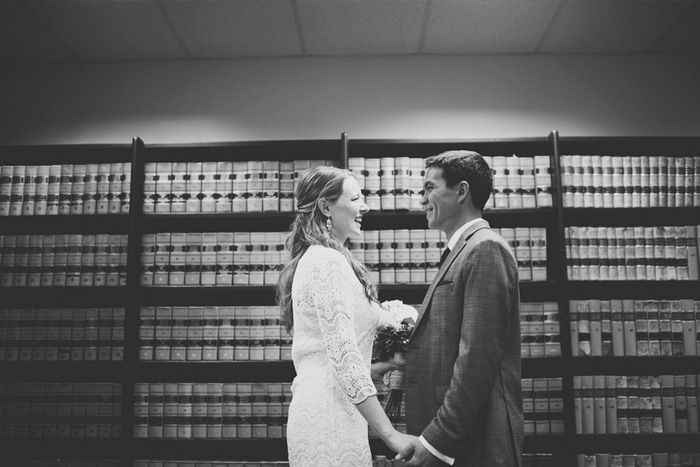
462, 377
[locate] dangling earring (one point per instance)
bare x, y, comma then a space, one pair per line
329, 224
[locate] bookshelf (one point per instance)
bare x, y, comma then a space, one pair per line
153, 209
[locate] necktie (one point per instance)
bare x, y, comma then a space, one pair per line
444, 255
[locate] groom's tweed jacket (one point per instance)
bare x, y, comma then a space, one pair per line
463, 389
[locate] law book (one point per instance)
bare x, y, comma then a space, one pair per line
210, 332
691, 241
357, 247
588, 185
387, 257
583, 314
254, 186
608, 189
671, 327
633, 408
523, 253
649, 253
26, 334
526, 172
5, 189
256, 266
274, 245
7, 262
91, 334
17, 190
536, 330
12, 322
681, 403
285, 344
148, 257
223, 189
88, 250
89, 189
34, 260
224, 258
229, 411
610, 403
573, 172
387, 183
668, 404
641, 324
77, 189
669, 239
629, 326
656, 411
528, 406
373, 183
256, 333
184, 410
595, 187
155, 410
653, 326
646, 405
170, 406
199, 410
271, 186
541, 405
660, 163
573, 246
691, 387
147, 319
417, 256
159, 186
225, 333
543, 181
606, 328
689, 327
599, 405
21, 261
101, 189
64, 335
587, 405
163, 333
29, 191
239, 186
272, 333
59, 261
193, 258
514, 180
402, 256
193, 187
208, 258
113, 260
177, 194
416, 184
538, 249
500, 182
371, 242
526, 337
75, 242
100, 261
241, 344
402, 183
214, 417
195, 333
671, 184
640, 253
209, 194
595, 328
162, 259
117, 176
618, 186
241, 258
286, 186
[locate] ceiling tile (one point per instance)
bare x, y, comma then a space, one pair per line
484, 27
24, 39
235, 28
110, 30
685, 37
360, 27
611, 26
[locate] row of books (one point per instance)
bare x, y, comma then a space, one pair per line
226, 333
211, 410
634, 327
223, 186
203, 463
396, 183
539, 330
61, 410
63, 260
608, 404
633, 253
594, 181
37, 190
543, 406
658, 459
62, 334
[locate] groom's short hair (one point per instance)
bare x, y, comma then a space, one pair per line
466, 166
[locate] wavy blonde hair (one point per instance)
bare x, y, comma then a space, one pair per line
309, 228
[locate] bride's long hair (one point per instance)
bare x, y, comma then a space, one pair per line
309, 228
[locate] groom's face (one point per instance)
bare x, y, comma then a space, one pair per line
439, 201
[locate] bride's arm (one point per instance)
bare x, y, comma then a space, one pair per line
377, 419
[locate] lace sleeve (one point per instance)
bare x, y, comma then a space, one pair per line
333, 304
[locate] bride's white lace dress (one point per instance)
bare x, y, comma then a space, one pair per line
334, 325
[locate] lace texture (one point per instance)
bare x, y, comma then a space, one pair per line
334, 327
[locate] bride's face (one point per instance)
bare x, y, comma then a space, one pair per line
347, 211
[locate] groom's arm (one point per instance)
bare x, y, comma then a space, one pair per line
489, 273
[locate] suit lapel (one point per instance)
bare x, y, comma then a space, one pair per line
461, 244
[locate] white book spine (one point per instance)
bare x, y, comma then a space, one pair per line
29, 193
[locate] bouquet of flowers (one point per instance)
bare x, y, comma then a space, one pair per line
390, 343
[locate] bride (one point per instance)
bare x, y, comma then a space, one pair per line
329, 303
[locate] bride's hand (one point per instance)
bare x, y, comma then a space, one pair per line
379, 369
402, 443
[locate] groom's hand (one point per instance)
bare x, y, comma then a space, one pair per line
421, 457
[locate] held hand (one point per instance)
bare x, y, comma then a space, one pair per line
379, 369
421, 457
401, 443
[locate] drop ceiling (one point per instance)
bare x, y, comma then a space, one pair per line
34, 31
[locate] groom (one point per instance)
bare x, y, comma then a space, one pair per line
462, 380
